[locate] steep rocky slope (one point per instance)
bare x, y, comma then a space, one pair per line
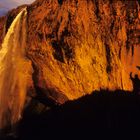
2, 28
78, 46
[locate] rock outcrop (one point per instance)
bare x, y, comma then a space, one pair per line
79, 46
2, 28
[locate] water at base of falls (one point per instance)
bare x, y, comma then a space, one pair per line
14, 70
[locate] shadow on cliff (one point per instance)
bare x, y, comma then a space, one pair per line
101, 111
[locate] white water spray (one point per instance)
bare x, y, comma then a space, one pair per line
14, 71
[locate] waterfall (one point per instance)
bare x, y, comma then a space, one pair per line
14, 71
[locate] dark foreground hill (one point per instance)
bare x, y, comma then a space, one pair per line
100, 112
79, 46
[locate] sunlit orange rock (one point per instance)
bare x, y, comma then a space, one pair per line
2, 23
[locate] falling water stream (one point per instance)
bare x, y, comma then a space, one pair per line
14, 71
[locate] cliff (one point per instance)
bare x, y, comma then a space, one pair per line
2, 23
79, 46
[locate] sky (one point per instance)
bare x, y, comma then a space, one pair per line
6, 5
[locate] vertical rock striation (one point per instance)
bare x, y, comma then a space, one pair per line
79, 46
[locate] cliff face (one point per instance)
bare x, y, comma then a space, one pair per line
2, 28
78, 46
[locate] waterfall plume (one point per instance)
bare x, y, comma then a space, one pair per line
14, 70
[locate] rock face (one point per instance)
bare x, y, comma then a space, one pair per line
78, 46
2, 28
